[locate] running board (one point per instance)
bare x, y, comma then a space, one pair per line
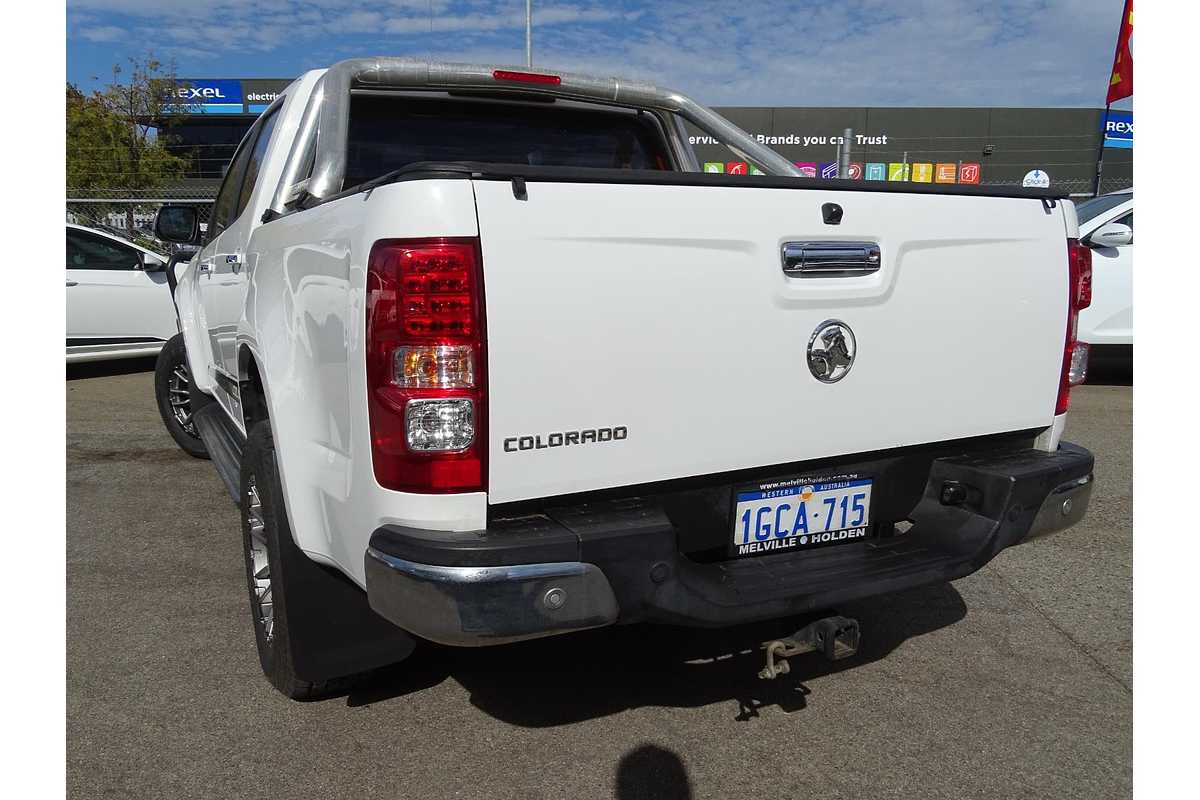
225, 444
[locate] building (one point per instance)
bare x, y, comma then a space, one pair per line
947, 145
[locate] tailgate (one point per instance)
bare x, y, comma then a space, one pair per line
663, 313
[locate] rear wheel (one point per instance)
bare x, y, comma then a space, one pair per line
272, 564
172, 391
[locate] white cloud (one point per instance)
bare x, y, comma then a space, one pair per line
753, 52
103, 33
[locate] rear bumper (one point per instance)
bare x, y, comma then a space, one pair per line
600, 563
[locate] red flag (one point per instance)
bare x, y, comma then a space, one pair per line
1120, 84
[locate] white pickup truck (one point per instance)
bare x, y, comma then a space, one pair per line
483, 356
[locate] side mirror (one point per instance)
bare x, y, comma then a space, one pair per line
152, 264
1114, 234
179, 224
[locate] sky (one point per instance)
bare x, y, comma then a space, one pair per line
744, 53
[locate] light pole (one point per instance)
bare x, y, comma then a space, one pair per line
529, 33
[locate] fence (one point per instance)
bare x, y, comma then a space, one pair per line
1079, 189
130, 218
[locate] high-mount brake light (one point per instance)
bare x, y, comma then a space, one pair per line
1079, 297
425, 364
526, 77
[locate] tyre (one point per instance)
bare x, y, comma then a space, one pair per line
314, 628
268, 545
172, 391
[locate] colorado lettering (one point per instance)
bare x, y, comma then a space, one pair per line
565, 438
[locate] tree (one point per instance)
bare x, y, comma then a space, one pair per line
117, 140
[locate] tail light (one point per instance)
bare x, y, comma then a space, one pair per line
1079, 297
425, 365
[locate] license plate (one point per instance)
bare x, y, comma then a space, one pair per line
800, 513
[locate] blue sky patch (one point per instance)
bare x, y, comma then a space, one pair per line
753, 52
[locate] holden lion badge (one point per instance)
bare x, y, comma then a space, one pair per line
831, 351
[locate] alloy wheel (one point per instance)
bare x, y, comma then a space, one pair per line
260, 567
180, 398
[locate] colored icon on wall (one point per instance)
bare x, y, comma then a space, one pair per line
922, 172
736, 168
829, 169
898, 171
714, 166
876, 171
807, 168
856, 171
945, 173
968, 172
756, 171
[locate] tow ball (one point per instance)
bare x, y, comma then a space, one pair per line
834, 637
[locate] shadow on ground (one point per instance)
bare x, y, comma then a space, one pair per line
654, 773
564, 680
1110, 370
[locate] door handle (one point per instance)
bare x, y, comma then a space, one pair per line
205, 266
829, 259
72, 283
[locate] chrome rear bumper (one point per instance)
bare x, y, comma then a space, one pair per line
491, 604
621, 560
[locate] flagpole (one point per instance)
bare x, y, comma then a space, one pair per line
1107, 102
1100, 151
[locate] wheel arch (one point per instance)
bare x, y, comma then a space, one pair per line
307, 523
251, 388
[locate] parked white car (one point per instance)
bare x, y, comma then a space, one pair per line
1106, 226
118, 305
483, 356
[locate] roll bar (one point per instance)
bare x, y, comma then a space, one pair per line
324, 126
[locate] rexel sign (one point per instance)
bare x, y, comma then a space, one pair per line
1118, 129
211, 96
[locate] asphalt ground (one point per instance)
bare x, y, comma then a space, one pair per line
1013, 682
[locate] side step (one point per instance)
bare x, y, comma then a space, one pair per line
225, 444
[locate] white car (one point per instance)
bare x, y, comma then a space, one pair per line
118, 304
483, 356
1106, 226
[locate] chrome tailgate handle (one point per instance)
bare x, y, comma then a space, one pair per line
829, 259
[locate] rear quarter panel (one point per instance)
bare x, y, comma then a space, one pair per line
305, 325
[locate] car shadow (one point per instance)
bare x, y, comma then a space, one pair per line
1110, 368
564, 680
104, 369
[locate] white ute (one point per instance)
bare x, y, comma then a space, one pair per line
483, 356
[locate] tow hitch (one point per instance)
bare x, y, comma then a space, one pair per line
833, 637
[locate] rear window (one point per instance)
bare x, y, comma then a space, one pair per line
387, 133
